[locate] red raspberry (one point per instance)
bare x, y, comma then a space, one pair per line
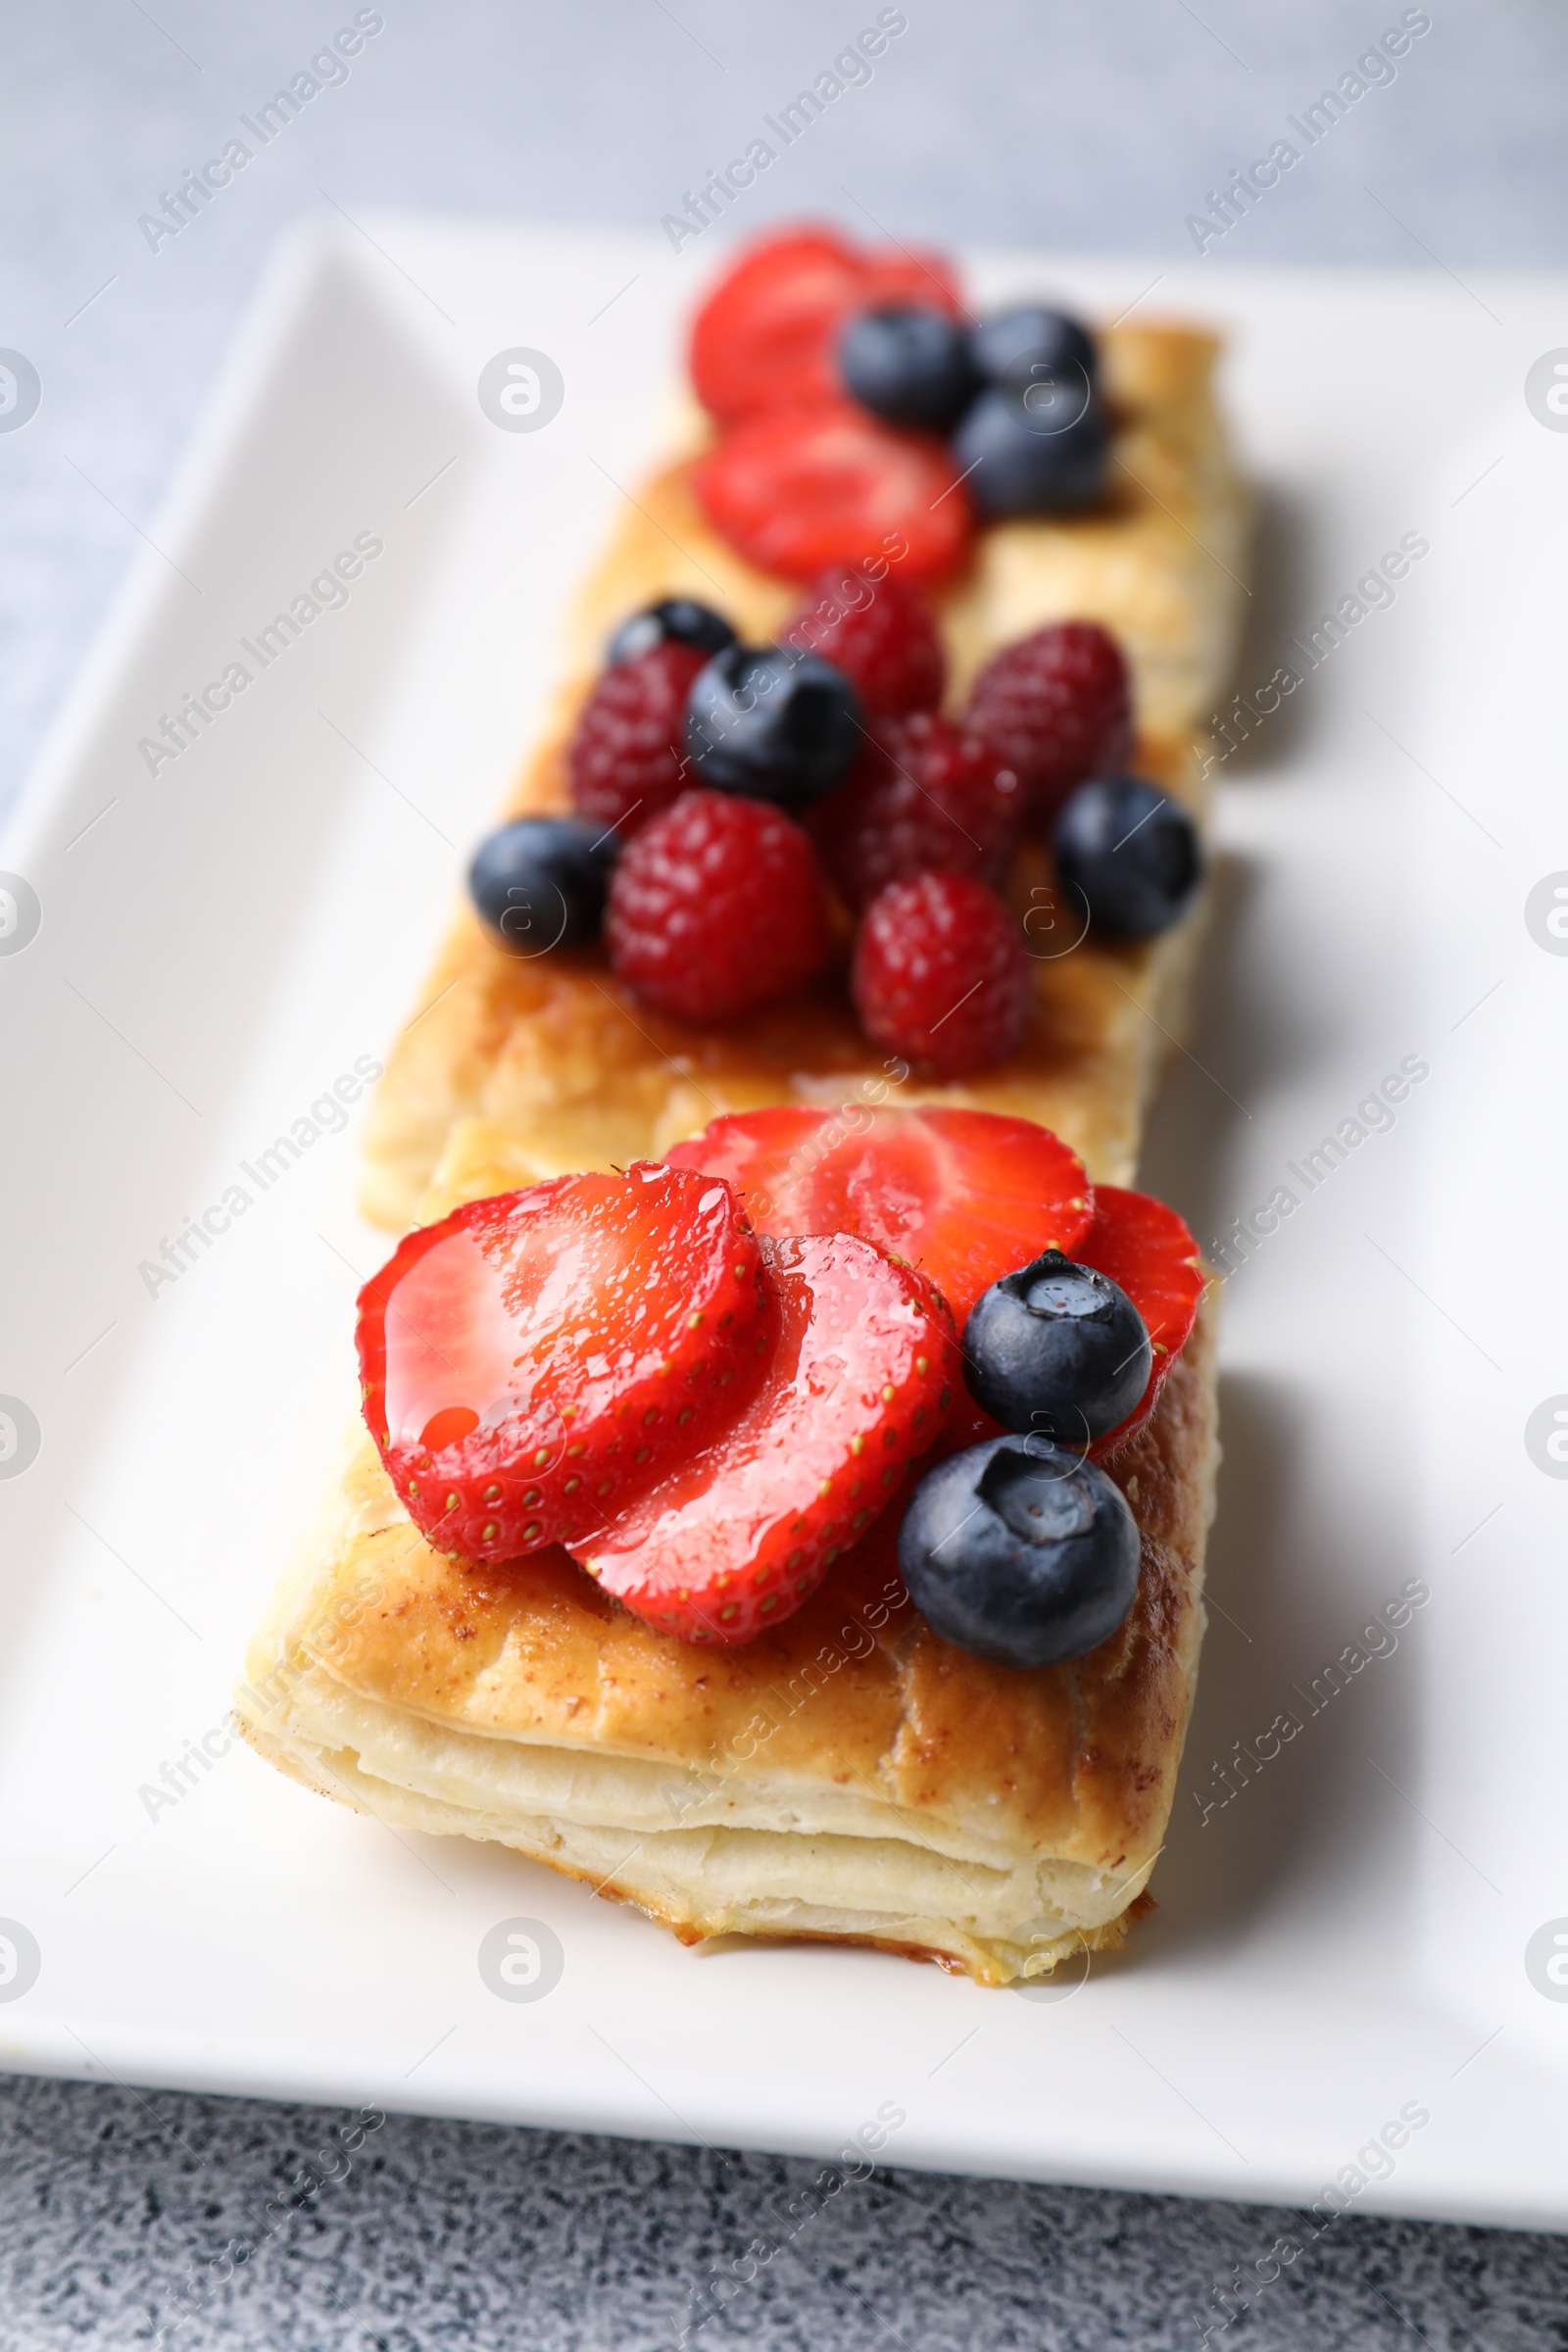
922, 797
628, 751
879, 633
718, 906
940, 975
1057, 706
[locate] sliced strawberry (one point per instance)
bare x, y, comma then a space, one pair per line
967, 1195
766, 337
732, 1540
1146, 1247
534, 1360
794, 490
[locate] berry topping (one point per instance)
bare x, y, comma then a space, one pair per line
922, 797
718, 906
1057, 706
531, 1363
626, 755
1026, 345
1148, 1254
1131, 853
540, 883
731, 1541
1058, 1348
879, 633
941, 976
773, 723
794, 490
766, 336
678, 621
1039, 450
909, 365
1019, 1551
963, 1195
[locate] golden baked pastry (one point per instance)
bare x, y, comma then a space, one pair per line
558, 1047
848, 1776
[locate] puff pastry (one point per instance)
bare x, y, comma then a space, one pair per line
848, 1776
560, 1049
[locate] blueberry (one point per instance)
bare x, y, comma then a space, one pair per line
1131, 853
773, 723
1056, 1348
1039, 450
678, 621
1019, 1551
1018, 346
908, 365
540, 882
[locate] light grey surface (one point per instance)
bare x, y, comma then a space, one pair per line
1093, 128
116, 2211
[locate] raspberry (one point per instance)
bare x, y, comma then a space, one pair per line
940, 975
718, 906
922, 797
1057, 706
628, 751
879, 633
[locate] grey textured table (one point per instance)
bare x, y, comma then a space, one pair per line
1097, 129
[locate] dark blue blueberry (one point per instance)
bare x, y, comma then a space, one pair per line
908, 365
678, 621
1131, 853
540, 883
773, 723
1041, 449
1058, 1348
1020, 346
1019, 1551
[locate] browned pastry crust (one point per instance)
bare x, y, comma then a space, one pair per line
558, 1048
848, 1776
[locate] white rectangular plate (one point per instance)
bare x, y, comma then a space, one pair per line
1340, 1941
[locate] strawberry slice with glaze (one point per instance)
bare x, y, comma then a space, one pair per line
766, 335
532, 1362
1148, 1250
731, 1539
967, 1195
792, 490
